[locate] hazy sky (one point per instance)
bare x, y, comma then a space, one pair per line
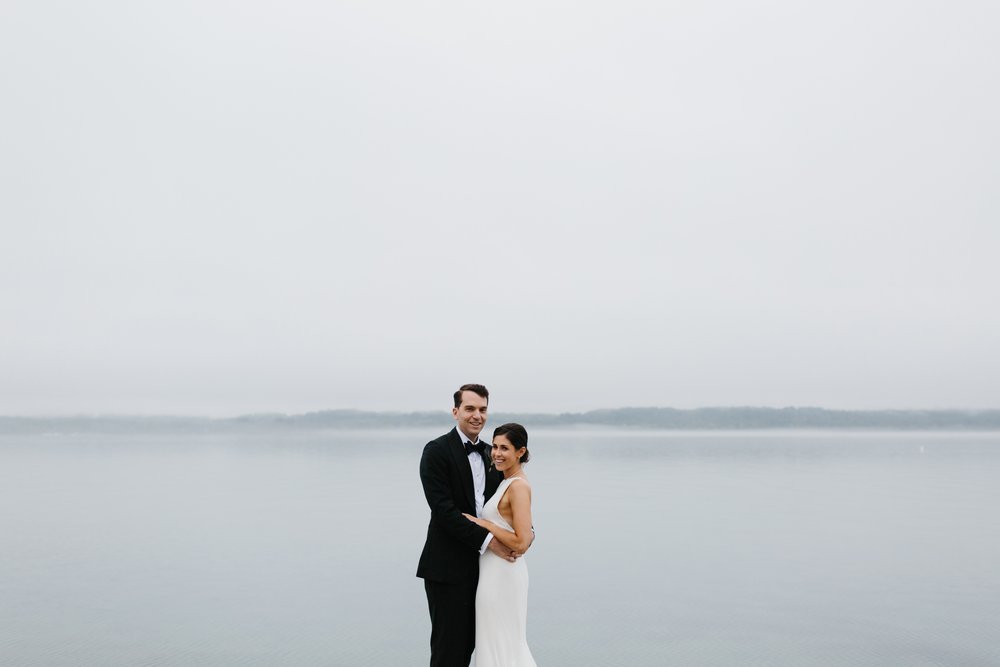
218, 207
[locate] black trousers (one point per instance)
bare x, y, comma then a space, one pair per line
453, 622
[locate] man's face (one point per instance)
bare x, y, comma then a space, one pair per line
471, 414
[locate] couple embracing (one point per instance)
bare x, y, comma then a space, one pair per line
480, 501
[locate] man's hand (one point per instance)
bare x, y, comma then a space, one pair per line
500, 550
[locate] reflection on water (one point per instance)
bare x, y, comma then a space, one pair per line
716, 549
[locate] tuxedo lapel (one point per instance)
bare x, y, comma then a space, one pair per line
465, 468
486, 460
493, 477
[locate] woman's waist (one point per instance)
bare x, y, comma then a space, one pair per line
490, 558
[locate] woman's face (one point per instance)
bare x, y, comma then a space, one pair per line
504, 454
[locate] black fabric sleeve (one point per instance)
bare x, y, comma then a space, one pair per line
435, 479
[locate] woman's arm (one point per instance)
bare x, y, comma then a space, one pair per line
519, 495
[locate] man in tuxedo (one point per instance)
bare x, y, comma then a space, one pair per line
456, 476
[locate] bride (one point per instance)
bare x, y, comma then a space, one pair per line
502, 595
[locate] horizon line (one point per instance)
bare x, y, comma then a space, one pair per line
274, 413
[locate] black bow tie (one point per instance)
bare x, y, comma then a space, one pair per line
478, 448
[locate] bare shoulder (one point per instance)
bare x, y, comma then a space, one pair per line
520, 487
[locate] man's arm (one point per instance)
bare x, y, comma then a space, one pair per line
519, 539
434, 476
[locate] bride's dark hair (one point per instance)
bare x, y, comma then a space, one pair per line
517, 435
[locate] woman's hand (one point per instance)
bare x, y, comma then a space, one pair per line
478, 522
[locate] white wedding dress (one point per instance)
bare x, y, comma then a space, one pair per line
501, 601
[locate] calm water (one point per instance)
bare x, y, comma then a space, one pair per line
715, 549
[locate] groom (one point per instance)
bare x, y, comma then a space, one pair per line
456, 476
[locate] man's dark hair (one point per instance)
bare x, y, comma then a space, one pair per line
474, 388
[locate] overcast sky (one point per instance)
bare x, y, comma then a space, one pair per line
228, 207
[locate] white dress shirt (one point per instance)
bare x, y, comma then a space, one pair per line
478, 481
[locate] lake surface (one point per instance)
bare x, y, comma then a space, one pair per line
653, 548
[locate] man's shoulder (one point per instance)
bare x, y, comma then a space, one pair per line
438, 449
442, 440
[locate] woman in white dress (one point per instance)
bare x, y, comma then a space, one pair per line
502, 595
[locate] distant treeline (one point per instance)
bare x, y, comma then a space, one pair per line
645, 418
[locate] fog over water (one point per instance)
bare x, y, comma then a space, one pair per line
218, 209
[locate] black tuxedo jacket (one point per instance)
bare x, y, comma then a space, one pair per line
451, 552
